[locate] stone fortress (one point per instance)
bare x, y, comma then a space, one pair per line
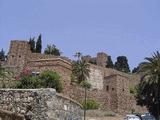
111, 88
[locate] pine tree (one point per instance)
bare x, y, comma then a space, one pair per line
51, 49
32, 44
122, 64
39, 44
109, 63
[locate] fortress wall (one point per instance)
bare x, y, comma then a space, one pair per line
123, 94
20, 56
18, 53
37, 56
110, 87
96, 77
100, 96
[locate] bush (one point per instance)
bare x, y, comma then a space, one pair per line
51, 79
29, 82
47, 79
90, 104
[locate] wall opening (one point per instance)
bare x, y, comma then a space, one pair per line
107, 88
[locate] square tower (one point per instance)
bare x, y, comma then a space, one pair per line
18, 52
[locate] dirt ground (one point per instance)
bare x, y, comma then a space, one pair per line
106, 118
103, 115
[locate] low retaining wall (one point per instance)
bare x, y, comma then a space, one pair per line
39, 104
7, 115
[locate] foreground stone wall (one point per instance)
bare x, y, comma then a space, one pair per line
41, 104
7, 115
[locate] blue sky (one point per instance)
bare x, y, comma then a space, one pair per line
117, 27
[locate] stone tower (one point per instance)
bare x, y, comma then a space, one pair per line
19, 50
86, 58
102, 59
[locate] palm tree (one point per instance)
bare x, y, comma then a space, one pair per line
80, 70
149, 87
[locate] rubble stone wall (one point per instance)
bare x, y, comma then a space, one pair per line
77, 93
41, 104
7, 115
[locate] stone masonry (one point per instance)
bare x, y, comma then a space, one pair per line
108, 86
40, 104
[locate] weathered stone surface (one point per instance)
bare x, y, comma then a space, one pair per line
101, 59
7, 115
41, 104
96, 78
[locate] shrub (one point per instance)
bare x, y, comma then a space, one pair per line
29, 82
90, 104
51, 79
85, 84
47, 79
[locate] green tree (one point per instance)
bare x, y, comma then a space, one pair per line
135, 70
39, 44
110, 63
51, 79
51, 49
2, 55
32, 44
122, 64
80, 69
148, 91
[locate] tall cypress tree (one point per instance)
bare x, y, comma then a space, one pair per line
32, 44
39, 44
2, 55
122, 64
109, 62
